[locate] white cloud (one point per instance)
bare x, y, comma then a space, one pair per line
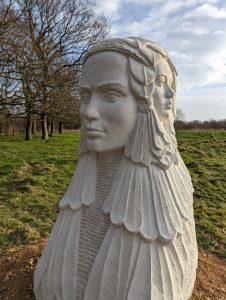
208, 11
197, 47
109, 8
193, 32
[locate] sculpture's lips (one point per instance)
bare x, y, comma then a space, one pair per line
93, 132
93, 129
169, 105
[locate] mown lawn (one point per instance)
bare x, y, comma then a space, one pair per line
34, 176
204, 153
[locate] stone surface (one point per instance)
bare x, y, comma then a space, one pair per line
125, 230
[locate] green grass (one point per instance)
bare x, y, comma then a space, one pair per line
204, 153
34, 176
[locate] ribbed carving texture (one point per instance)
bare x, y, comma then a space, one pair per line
63, 270
55, 275
127, 268
94, 224
89, 258
149, 143
82, 187
149, 200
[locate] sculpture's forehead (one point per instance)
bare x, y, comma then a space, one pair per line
163, 68
105, 67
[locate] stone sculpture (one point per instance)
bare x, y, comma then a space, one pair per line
125, 230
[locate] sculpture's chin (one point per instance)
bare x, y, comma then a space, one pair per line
165, 115
94, 146
95, 143
101, 147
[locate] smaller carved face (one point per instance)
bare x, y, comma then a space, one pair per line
108, 107
163, 94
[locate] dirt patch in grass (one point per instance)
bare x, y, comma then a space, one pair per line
24, 168
17, 268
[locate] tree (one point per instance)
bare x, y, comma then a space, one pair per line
180, 116
64, 101
47, 39
59, 31
8, 86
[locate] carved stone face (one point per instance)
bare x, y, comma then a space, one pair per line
108, 107
163, 95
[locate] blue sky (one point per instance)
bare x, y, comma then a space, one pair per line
194, 33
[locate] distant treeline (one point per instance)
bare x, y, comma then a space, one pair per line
18, 125
196, 124
14, 126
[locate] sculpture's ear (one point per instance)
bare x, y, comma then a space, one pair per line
141, 73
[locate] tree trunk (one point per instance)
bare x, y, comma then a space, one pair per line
45, 135
5, 128
48, 127
1, 128
13, 128
51, 128
61, 125
34, 127
8, 128
28, 136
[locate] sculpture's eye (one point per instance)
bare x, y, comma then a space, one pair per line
160, 80
85, 98
112, 96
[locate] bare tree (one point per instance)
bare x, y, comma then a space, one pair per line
64, 102
9, 104
180, 116
58, 30
47, 39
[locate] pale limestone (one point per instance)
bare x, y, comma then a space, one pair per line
126, 229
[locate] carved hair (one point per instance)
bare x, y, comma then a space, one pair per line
151, 141
143, 56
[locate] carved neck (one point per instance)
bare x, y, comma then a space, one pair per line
110, 158
107, 164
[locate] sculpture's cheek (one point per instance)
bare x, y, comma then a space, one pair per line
161, 103
116, 121
163, 94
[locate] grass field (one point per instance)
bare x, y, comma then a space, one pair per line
34, 176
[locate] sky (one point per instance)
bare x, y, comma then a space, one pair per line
194, 34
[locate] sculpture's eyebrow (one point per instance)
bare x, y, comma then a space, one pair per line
107, 85
113, 85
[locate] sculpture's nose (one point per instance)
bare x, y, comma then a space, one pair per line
169, 92
91, 111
